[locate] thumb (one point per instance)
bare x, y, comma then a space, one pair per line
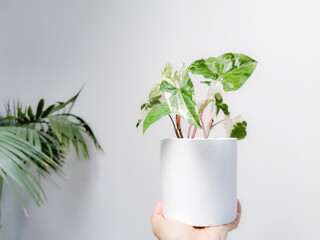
157, 219
157, 214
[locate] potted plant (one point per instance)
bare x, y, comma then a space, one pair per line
199, 175
34, 143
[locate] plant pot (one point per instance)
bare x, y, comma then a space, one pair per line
199, 180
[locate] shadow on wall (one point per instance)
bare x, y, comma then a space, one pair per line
12, 215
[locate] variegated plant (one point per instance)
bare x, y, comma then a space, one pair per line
174, 94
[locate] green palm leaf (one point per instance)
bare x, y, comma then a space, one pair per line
17, 159
35, 143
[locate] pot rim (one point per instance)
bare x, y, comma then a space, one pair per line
200, 139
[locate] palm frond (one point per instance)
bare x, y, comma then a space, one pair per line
19, 157
35, 142
63, 105
68, 131
85, 128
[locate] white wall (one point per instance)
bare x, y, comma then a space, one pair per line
118, 48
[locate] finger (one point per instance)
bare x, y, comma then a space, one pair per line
235, 223
157, 220
157, 213
158, 209
239, 210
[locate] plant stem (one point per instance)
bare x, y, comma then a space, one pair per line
174, 126
219, 122
178, 121
203, 128
180, 132
189, 130
209, 127
201, 120
194, 132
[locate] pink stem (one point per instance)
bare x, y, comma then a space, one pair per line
219, 122
189, 130
200, 117
194, 132
203, 128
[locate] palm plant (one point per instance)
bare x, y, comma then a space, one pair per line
34, 143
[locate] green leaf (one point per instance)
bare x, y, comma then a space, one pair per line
30, 150
146, 107
143, 106
66, 130
154, 101
206, 82
11, 117
62, 105
155, 114
17, 147
182, 101
220, 105
40, 108
232, 70
24, 134
138, 123
21, 115
236, 69
155, 96
239, 130
30, 114
48, 111
85, 128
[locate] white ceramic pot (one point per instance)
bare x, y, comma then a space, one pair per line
199, 180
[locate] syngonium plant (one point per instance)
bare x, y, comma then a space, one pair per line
34, 143
175, 94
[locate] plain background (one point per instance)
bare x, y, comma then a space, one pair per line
118, 49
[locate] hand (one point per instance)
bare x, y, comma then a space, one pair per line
168, 229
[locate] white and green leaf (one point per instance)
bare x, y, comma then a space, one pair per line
232, 70
214, 88
182, 75
146, 107
208, 68
156, 96
166, 75
182, 101
235, 127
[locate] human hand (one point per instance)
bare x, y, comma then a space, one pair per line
168, 229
